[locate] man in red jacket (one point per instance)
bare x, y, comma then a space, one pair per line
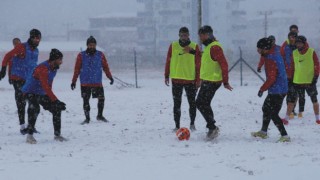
24, 59
277, 86
213, 73
38, 90
183, 67
89, 66
286, 52
8, 62
304, 74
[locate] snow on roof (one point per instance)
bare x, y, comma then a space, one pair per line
48, 45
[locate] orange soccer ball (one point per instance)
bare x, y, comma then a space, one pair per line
183, 134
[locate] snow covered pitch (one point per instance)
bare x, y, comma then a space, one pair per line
138, 142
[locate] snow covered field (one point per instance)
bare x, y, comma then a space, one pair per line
138, 143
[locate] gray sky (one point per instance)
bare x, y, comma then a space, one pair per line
53, 16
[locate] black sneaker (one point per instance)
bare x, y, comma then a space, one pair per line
213, 133
36, 131
60, 138
31, 139
101, 118
193, 127
86, 121
175, 130
24, 131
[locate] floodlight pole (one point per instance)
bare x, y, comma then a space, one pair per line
199, 19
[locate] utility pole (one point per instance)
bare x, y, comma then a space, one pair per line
67, 25
155, 38
199, 19
265, 23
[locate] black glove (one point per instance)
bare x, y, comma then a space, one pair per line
260, 93
259, 70
192, 51
111, 81
314, 80
58, 105
3, 72
73, 86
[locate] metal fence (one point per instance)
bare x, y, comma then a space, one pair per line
144, 60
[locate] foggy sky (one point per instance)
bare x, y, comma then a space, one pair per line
54, 16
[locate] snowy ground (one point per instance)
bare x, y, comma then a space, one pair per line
138, 142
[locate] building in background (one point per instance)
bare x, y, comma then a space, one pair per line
155, 24
240, 23
162, 19
115, 31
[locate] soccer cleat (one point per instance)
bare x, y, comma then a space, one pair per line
175, 130
213, 133
300, 115
318, 121
260, 134
31, 139
291, 116
86, 121
284, 139
24, 131
285, 122
60, 138
193, 127
36, 131
101, 118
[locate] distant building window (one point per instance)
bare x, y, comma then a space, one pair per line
164, 34
157, 5
239, 27
165, 19
183, 19
184, 5
238, 13
141, 35
188, 5
165, 4
239, 42
157, 20
186, 19
228, 6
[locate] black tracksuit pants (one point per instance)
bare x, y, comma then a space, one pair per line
271, 108
302, 100
191, 91
292, 97
34, 109
204, 98
20, 100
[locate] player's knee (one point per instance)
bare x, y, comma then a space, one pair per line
291, 98
314, 99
